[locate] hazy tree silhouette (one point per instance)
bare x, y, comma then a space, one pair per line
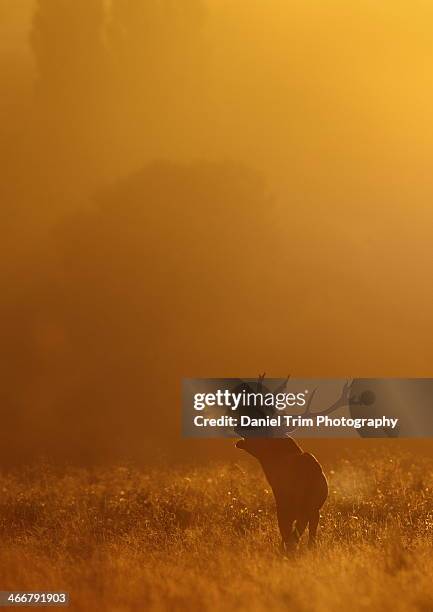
118, 83
130, 297
160, 54
71, 89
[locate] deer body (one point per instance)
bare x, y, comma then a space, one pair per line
297, 482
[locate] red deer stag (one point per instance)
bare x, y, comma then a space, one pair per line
296, 478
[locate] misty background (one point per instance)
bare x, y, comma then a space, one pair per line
205, 188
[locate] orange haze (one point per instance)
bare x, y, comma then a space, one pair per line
205, 188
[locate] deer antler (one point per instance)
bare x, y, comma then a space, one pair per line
260, 380
283, 385
264, 411
279, 389
343, 400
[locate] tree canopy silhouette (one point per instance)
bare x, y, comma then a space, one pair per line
131, 296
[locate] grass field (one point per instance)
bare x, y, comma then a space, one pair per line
206, 538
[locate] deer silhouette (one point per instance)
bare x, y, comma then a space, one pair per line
296, 478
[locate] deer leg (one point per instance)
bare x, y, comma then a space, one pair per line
285, 524
300, 525
312, 527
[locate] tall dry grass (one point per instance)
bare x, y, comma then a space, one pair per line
206, 538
